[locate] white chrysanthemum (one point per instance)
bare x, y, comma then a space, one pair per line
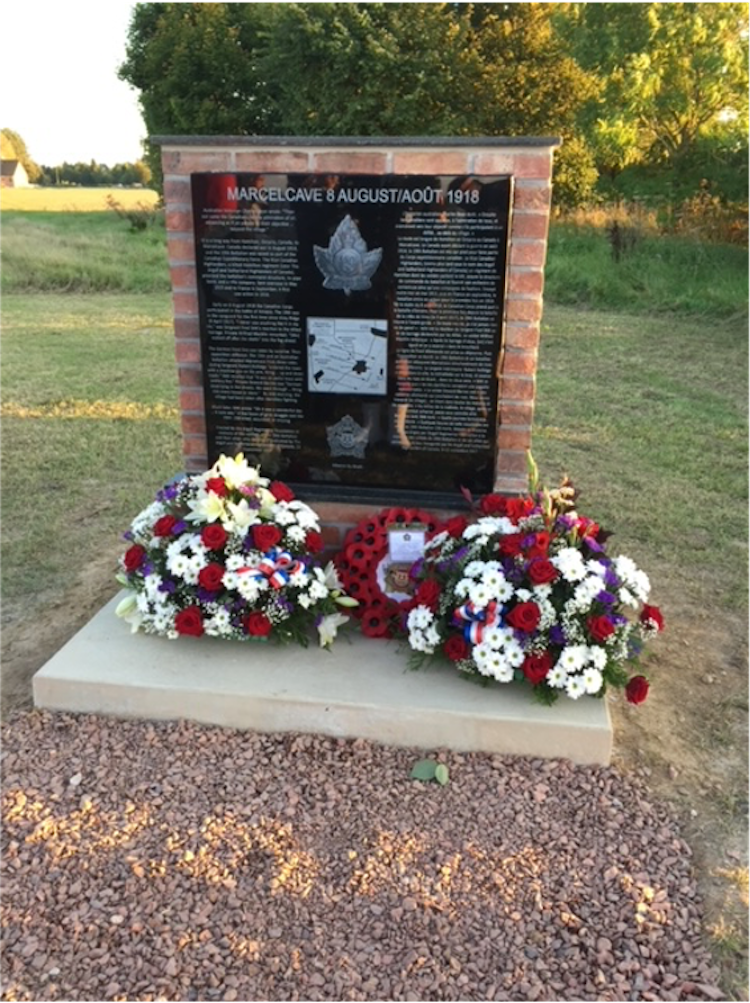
317, 590
296, 534
574, 687
569, 562
306, 518
592, 680
474, 569
235, 561
250, 587
641, 585
151, 585
598, 658
418, 641
420, 618
178, 546
498, 525
300, 577
557, 676
142, 602
497, 637
625, 567
163, 620
627, 598
178, 564
197, 546
432, 636
462, 588
230, 579
304, 600
523, 595
574, 657
514, 653
498, 666
479, 594
484, 656
283, 515
595, 567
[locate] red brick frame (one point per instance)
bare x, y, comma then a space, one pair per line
529, 161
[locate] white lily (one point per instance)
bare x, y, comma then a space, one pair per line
207, 507
127, 609
328, 628
239, 516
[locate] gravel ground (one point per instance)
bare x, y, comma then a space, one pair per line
173, 861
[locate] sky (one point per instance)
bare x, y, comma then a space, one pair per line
58, 81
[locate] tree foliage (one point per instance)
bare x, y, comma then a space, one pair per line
623, 84
670, 74
14, 148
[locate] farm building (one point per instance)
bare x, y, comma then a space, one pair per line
13, 174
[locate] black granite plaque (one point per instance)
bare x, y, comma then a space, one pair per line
351, 326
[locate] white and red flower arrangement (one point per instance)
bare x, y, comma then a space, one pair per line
230, 554
527, 592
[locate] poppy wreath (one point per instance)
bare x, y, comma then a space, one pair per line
365, 547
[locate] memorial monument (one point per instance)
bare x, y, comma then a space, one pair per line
360, 316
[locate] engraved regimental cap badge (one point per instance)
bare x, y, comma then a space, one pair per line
347, 438
346, 263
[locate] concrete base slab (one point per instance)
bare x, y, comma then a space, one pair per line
361, 688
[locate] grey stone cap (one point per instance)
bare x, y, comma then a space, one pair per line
419, 141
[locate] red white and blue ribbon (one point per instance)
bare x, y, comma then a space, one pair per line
478, 620
276, 565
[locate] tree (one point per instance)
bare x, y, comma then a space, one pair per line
12, 141
670, 73
354, 69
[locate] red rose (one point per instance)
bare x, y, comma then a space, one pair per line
257, 625
314, 542
134, 556
164, 526
518, 508
427, 594
600, 627
510, 545
456, 648
281, 491
213, 536
266, 536
456, 525
637, 689
494, 505
536, 665
654, 615
542, 572
210, 577
525, 616
218, 485
189, 621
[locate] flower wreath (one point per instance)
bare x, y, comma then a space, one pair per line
363, 565
526, 591
229, 554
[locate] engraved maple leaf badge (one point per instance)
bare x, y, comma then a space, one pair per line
346, 263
